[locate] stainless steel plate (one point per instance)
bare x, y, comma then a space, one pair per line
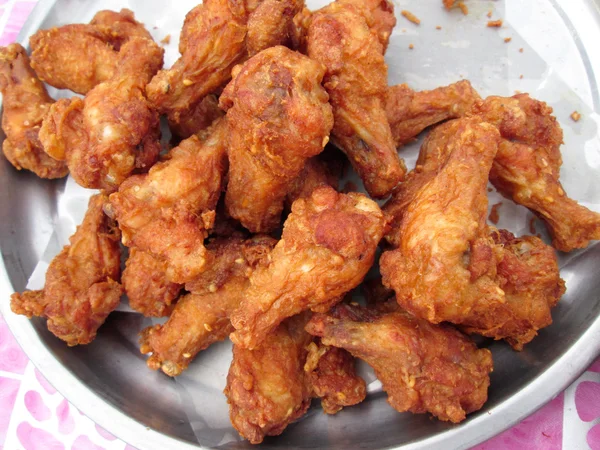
109, 381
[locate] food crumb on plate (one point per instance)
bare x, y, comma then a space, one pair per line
494, 213
166, 40
438, 27
521, 50
464, 8
494, 23
411, 46
489, 14
575, 116
507, 39
410, 16
521, 77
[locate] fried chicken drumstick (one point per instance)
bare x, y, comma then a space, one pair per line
82, 282
113, 131
80, 56
339, 36
25, 102
167, 211
278, 116
202, 317
448, 264
327, 247
422, 367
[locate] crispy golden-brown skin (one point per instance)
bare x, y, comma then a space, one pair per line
213, 40
196, 119
527, 168
332, 377
202, 317
278, 117
316, 172
81, 56
339, 36
410, 112
423, 367
448, 264
271, 24
327, 247
167, 211
145, 282
82, 286
25, 102
266, 387
113, 131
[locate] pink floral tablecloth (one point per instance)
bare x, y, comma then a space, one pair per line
33, 416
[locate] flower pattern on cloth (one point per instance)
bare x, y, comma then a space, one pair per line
34, 416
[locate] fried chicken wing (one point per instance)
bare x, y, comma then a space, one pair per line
202, 317
339, 36
332, 377
145, 282
316, 173
527, 168
422, 367
25, 102
167, 211
80, 56
382, 20
113, 131
278, 117
410, 112
266, 387
439, 226
271, 24
196, 119
213, 40
327, 247
82, 286
448, 264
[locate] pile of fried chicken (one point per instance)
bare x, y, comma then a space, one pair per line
240, 230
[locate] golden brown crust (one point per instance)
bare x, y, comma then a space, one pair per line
527, 168
82, 285
145, 282
327, 247
167, 212
423, 367
113, 131
339, 36
278, 117
316, 172
271, 24
25, 103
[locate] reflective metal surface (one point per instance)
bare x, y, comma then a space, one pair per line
109, 381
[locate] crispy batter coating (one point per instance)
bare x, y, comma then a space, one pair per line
527, 168
113, 131
279, 116
339, 36
80, 56
213, 41
382, 19
196, 119
410, 112
25, 102
327, 247
167, 211
316, 173
448, 264
202, 317
82, 286
332, 376
422, 367
145, 282
271, 24
266, 387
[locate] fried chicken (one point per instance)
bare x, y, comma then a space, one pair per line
278, 116
339, 36
316, 173
25, 102
80, 56
448, 264
213, 41
422, 367
332, 377
82, 286
271, 24
167, 211
198, 118
527, 168
327, 247
202, 317
145, 282
113, 131
266, 387
410, 112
